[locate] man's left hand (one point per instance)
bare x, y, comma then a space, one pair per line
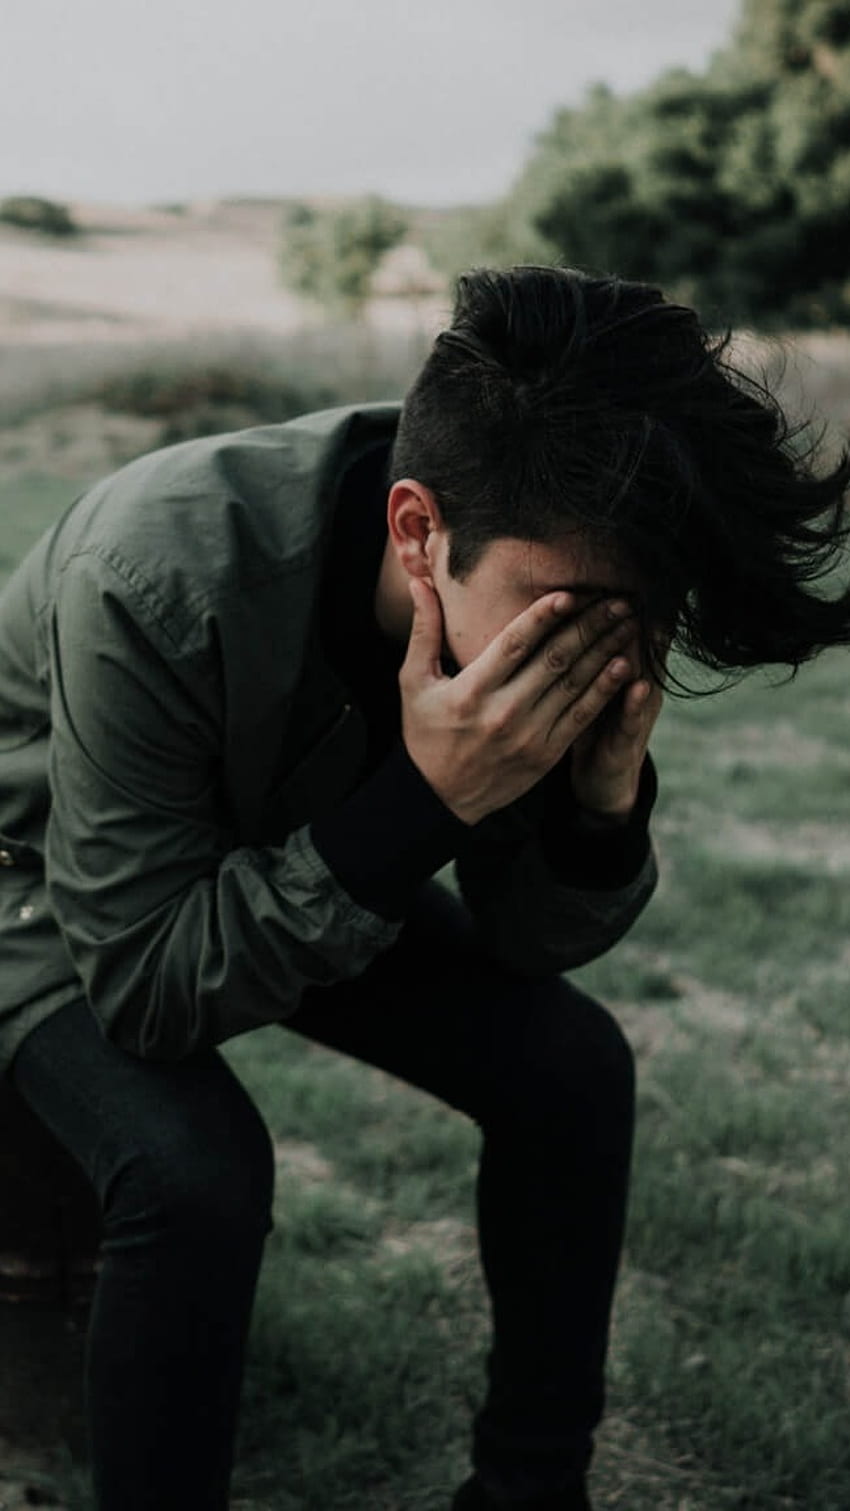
607, 758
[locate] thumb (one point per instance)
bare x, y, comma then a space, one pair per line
425, 646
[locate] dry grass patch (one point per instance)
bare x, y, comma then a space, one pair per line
303, 1161
452, 1244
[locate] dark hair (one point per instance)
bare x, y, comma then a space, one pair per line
557, 402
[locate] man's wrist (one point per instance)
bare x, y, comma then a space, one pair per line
600, 821
592, 848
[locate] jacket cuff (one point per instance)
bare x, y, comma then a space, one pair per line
590, 851
388, 837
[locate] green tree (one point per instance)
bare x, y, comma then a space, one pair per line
331, 254
730, 188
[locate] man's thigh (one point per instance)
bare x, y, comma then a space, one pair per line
437, 1012
173, 1125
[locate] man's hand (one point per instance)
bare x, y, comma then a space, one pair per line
607, 758
484, 737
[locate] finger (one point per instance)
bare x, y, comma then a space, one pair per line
425, 646
603, 617
573, 718
512, 647
636, 700
568, 669
628, 729
640, 708
551, 659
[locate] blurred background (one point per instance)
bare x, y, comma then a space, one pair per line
244, 192
214, 216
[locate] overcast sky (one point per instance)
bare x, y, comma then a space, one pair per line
432, 103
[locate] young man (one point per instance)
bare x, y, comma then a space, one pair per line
254, 691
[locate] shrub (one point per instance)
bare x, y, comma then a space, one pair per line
331, 254
34, 214
204, 400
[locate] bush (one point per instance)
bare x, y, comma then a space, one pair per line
331, 254
193, 401
33, 214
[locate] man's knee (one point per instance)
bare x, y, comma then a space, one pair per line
565, 1051
215, 1194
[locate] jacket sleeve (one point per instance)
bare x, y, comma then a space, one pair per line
549, 892
180, 940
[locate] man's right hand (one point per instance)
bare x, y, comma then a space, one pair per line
487, 735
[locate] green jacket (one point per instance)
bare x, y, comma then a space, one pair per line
168, 728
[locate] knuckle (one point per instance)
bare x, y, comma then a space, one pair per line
525, 744
590, 636
555, 656
462, 706
496, 726
582, 715
502, 722
514, 646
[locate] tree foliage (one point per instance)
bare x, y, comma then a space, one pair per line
489, 235
330, 254
730, 188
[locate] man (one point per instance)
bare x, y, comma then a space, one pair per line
254, 692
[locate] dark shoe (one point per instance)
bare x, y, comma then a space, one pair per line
473, 1497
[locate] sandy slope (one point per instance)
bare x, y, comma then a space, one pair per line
148, 275
144, 276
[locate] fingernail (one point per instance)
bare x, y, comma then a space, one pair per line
618, 609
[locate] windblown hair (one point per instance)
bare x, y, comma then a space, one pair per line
559, 403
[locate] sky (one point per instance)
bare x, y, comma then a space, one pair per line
437, 103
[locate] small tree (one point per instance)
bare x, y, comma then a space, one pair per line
330, 255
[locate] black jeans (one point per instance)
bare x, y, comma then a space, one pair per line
182, 1164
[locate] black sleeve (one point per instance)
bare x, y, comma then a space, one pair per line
389, 836
393, 832
590, 850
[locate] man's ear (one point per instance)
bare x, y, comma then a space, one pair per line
413, 520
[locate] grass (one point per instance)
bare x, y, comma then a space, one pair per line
28, 504
729, 1368
730, 1355
737, 1348
363, 364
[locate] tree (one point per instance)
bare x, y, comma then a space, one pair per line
731, 188
330, 254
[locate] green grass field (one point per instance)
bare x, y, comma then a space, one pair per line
730, 1364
